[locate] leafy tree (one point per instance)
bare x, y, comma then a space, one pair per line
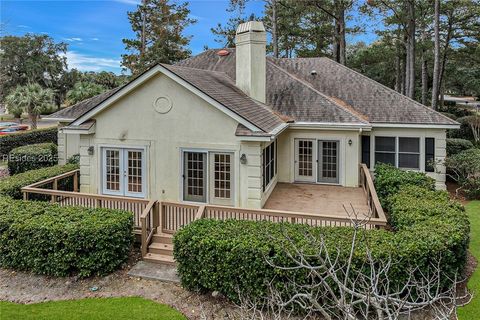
32, 99
159, 35
83, 90
108, 80
30, 59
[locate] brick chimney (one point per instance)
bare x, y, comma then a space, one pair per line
251, 41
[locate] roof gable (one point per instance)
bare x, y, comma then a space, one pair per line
214, 87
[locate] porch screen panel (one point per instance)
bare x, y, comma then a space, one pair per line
366, 150
409, 153
135, 172
429, 154
222, 175
385, 150
305, 158
112, 169
269, 166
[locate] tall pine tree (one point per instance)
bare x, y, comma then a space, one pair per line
159, 27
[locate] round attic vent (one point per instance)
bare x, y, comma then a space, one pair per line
223, 53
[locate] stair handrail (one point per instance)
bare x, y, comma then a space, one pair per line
149, 221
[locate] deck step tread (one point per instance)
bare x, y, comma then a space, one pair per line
159, 258
163, 246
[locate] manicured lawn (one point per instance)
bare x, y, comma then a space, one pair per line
472, 310
91, 309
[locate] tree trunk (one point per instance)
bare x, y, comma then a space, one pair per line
436, 63
443, 64
411, 50
274, 29
424, 66
342, 55
33, 121
398, 63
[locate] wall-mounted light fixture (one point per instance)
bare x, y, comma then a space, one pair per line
243, 158
350, 142
90, 150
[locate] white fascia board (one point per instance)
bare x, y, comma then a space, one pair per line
328, 125
61, 119
147, 75
78, 131
275, 132
255, 138
415, 125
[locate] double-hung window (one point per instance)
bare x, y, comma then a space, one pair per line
269, 164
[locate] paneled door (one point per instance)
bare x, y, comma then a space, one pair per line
221, 178
123, 172
195, 176
305, 157
328, 161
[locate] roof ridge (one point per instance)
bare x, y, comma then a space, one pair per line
386, 88
308, 85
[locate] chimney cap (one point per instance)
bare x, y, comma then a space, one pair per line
253, 26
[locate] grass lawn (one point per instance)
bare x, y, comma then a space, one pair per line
472, 310
94, 309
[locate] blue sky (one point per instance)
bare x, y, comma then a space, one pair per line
94, 29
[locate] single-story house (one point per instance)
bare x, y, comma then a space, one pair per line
225, 126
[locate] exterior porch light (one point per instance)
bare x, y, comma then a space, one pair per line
350, 142
243, 158
90, 150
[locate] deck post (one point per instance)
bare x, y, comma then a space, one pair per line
54, 187
25, 195
75, 182
156, 215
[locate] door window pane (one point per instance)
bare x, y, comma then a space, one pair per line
135, 173
222, 175
195, 174
112, 169
305, 158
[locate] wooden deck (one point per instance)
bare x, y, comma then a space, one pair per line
156, 221
317, 199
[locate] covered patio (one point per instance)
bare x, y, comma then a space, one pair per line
318, 199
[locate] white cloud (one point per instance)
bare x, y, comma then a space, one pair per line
84, 62
72, 39
23, 26
94, 39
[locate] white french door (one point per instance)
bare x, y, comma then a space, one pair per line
305, 160
123, 172
317, 161
208, 176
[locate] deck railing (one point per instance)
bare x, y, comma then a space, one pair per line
75, 198
169, 217
366, 182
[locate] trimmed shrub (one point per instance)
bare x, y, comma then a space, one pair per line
12, 186
231, 256
455, 146
389, 179
15, 140
30, 157
48, 239
464, 168
75, 159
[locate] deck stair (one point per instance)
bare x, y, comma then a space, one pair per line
160, 249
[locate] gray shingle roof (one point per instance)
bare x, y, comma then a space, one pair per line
79, 109
336, 94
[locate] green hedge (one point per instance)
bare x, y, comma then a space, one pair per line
455, 146
15, 140
12, 186
30, 157
230, 256
48, 239
389, 179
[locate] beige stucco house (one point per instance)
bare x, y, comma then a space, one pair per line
225, 126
